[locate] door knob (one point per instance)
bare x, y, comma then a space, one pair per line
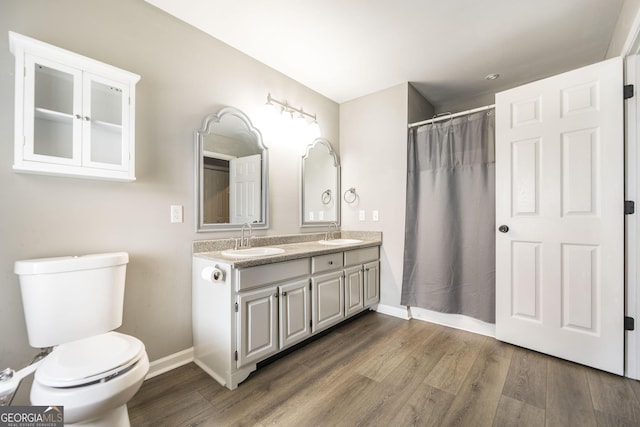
503, 229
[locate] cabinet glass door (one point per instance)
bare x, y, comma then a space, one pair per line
52, 104
104, 123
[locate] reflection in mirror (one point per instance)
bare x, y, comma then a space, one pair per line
320, 185
231, 173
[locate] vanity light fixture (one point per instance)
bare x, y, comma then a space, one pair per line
288, 109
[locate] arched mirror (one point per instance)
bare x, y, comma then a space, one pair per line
320, 185
231, 173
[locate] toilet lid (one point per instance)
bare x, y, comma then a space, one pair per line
89, 359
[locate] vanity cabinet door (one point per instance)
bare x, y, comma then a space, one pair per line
354, 286
371, 283
327, 300
257, 325
295, 312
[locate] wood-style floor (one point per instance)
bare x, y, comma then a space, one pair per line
383, 371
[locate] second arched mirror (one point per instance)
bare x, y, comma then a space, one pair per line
320, 185
231, 173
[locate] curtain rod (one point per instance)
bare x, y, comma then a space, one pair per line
448, 116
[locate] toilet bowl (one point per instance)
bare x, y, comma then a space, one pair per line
73, 304
92, 379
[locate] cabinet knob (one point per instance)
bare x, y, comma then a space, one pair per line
87, 118
284, 294
78, 116
275, 295
330, 262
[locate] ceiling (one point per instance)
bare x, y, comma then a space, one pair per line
345, 49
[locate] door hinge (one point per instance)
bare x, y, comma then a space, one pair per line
629, 323
236, 307
236, 355
629, 207
628, 91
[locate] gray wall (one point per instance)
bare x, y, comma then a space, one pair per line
624, 30
373, 152
185, 75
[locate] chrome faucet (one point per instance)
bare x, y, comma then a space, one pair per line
328, 235
246, 244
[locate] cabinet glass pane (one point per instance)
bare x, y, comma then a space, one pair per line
106, 123
53, 127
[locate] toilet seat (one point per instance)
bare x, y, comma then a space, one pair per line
89, 360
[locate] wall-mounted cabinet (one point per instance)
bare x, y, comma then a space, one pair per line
74, 116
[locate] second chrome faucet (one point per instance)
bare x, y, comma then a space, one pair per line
244, 243
329, 235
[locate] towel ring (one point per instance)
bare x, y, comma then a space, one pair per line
350, 195
326, 197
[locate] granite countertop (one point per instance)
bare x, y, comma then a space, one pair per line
295, 247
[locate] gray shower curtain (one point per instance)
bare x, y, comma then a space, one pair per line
449, 254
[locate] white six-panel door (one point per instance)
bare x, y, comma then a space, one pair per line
559, 190
245, 183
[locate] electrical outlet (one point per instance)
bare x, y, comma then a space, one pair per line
176, 214
375, 216
361, 215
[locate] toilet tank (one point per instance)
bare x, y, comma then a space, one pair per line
72, 297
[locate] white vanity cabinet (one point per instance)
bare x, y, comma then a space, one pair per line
244, 315
272, 308
247, 314
271, 319
327, 284
74, 116
362, 277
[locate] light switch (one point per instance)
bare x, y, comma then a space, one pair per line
176, 214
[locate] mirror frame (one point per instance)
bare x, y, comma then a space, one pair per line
336, 163
206, 129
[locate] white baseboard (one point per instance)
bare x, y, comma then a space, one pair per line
170, 362
394, 311
457, 321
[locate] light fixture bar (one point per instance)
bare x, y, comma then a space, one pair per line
286, 108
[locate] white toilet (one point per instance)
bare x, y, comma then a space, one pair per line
74, 304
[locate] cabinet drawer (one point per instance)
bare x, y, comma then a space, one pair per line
326, 262
253, 277
360, 256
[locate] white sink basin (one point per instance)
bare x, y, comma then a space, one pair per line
252, 252
338, 242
